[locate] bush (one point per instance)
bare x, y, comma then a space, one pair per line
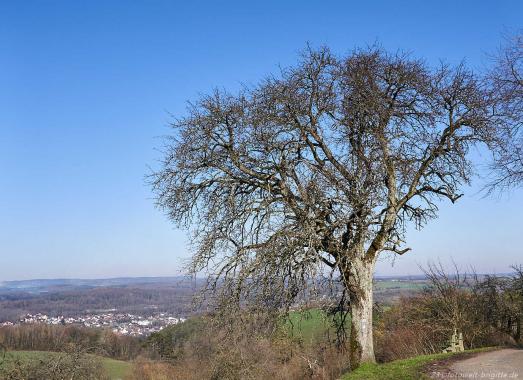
61, 366
144, 369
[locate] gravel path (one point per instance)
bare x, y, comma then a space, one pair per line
500, 364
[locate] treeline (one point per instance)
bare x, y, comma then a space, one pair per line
41, 337
487, 310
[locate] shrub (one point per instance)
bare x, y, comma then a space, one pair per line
61, 366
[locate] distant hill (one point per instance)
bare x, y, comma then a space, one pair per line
44, 285
69, 297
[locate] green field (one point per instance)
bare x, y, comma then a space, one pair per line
116, 369
310, 325
394, 284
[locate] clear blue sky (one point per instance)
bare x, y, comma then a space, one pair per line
86, 89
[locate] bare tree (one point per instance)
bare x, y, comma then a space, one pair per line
321, 167
446, 293
506, 78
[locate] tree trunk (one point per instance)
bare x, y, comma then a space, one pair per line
359, 284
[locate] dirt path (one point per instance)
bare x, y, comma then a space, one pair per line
500, 364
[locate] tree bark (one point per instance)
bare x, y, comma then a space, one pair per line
359, 284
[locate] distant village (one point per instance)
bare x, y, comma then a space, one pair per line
119, 323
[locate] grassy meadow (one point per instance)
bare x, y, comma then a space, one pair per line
311, 325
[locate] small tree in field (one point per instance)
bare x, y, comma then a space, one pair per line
321, 167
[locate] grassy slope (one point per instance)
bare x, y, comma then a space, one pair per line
116, 369
310, 325
406, 369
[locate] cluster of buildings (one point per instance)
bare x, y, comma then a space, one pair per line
120, 323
